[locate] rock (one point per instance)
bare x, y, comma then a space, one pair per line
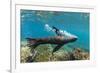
25, 52
79, 54
43, 53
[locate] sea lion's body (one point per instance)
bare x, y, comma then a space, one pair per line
58, 40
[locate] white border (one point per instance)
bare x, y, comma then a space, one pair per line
16, 66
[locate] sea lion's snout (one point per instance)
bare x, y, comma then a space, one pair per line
75, 38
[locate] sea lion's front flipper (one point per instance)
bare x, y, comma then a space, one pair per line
57, 48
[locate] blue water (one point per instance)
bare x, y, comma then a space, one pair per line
33, 25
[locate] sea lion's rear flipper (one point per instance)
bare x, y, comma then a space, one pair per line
32, 42
57, 48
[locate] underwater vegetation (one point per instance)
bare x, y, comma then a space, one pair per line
43, 53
